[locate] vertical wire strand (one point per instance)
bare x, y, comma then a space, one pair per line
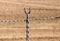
27, 23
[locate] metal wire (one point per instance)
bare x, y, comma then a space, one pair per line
27, 12
27, 23
51, 18
31, 19
11, 21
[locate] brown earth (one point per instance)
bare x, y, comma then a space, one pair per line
39, 30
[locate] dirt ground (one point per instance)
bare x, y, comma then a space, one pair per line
39, 30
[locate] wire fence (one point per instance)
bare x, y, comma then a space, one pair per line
31, 19
27, 13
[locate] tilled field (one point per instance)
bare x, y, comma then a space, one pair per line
39, 30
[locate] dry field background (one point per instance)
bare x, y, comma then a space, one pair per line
40, 30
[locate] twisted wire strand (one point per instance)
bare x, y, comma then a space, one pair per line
51, 18
27, 23
11, 21
31, 19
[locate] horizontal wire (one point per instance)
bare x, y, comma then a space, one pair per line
45, 18
11, 20
30, 19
